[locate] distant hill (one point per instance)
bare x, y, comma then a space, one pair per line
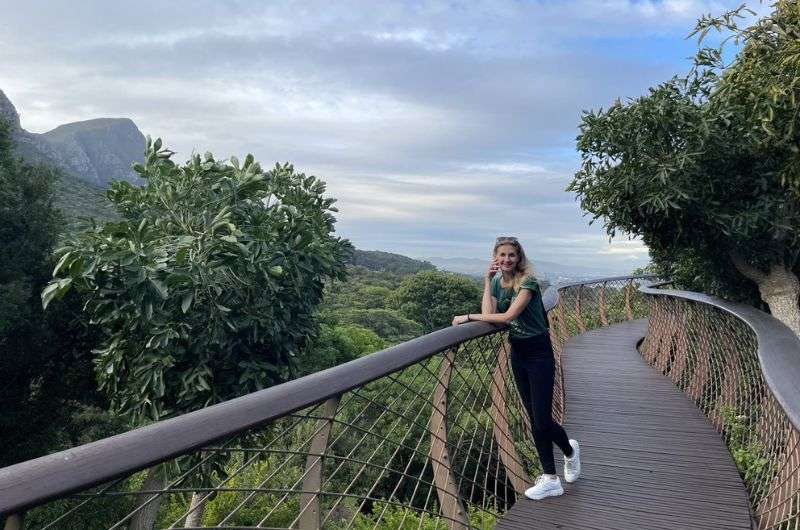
95, 151
376, 260
546, 269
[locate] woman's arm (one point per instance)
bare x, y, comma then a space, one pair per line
517, 307
488, 302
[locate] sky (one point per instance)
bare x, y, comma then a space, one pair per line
437, 125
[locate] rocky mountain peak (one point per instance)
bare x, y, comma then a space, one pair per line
97, 151
8, 112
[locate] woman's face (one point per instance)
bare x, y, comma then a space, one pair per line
506, 257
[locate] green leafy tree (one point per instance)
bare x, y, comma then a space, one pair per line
387, 262
390, 325
44, 359
339, 344
205, 289
705, 168
374, 296
433, 297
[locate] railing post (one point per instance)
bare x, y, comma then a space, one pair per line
446, 489
603, 317
312, 482
560, 388
511, 460
628, 308
562, 322
579, 317
15, 522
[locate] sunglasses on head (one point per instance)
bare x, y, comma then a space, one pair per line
505, 239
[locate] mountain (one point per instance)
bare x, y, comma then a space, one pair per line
95, 151
377, 260
549, 270
76, 198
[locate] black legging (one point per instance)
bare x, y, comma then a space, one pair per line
534, 371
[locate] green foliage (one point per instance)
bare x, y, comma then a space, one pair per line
26, 208
749, 455
90, 423
432, 298
387, 262
97, 515
78, 200
360, 341
337, 345
364, 289
705, 168
275, 472
374, 296
386, 323
205, 288
256, 507
44, 361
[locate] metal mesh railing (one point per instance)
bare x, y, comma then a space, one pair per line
436, 439
595, 304
441, 443
589, 305
712, 356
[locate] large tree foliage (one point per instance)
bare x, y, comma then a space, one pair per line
338, 344
206, 287
433, 297
367, 300
30, 219
44, 359
705, 168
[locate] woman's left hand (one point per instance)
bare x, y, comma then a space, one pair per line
460, 319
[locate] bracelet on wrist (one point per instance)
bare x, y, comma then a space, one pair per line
468, 319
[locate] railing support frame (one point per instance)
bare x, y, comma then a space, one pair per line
15, 522
310, 515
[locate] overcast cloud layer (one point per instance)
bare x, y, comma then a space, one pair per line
437, 125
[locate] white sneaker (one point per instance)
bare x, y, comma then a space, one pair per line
572, 465
545, 487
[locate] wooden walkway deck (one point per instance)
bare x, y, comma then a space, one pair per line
650, 459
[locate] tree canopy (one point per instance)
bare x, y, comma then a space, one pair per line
377, 260
433, 297
705, 167
205, 288
44, 359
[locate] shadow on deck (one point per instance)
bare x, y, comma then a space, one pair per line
650, 458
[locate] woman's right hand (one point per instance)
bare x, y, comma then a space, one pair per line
493, 268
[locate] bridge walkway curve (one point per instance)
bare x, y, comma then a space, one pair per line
650, 458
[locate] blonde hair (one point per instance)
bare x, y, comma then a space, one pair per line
524, 268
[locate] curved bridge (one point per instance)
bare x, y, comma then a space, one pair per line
687, 408
650, 459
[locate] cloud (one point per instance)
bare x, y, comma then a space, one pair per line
513, 168
433, 123
419, 37
629, 249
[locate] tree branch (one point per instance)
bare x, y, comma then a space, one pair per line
746, 269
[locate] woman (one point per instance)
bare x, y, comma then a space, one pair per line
514, 298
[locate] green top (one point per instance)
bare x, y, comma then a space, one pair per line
532, 321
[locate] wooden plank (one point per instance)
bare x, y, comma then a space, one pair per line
650, 458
